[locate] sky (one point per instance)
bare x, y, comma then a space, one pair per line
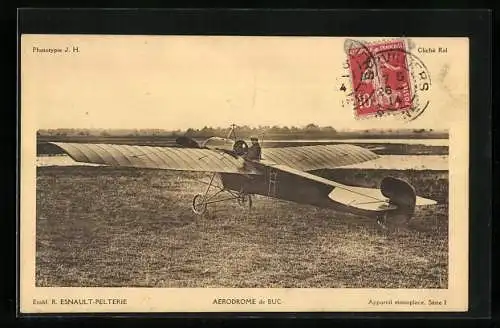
177, 82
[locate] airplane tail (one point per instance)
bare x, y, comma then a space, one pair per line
403, 195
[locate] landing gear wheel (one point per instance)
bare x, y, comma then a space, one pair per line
245, 200
199, 207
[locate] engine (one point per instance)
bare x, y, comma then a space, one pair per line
240, 148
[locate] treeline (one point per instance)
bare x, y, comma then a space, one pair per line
310, 131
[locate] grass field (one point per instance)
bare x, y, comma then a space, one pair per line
100, 226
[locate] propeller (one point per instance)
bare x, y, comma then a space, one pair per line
187, 142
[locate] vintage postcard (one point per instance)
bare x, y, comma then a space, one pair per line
243, 174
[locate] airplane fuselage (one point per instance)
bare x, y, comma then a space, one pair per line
283, 185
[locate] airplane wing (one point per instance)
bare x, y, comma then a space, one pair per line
165, 158
309, 158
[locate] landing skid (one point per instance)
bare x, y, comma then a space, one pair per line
202, 200
393, 221
382, 220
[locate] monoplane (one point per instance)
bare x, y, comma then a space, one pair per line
284, 173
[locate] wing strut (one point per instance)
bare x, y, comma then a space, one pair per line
273, 182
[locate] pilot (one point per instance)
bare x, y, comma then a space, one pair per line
254, 151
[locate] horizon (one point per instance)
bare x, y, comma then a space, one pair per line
252, 127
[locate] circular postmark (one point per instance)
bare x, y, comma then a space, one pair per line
386, 79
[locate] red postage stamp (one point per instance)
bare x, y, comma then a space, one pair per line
381, 79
